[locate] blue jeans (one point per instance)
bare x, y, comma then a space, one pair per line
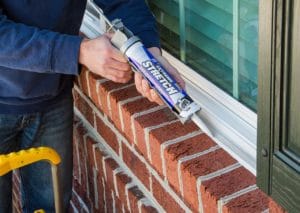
52, 129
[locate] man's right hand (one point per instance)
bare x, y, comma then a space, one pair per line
103, 59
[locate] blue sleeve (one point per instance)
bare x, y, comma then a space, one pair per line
35, 50
136, 16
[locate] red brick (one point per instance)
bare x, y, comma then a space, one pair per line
91, 167
129, 109
151, 119
93, 89
108, 199
103, 93
119, 205
101, 200
85, 109
163, 134
274, 207
118, 96
110, 166
134, 195
214, 189
99, 155
80, 178
136, 166
90, 148
164, 198
174, 152
252, 202
76, 160
79, 134
83, 80
122, 179
148, 209
201, 166
80, 195
75, 200
107, 134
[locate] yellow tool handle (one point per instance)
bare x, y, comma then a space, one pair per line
22, 158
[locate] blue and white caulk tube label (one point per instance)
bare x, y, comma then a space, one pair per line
159, 78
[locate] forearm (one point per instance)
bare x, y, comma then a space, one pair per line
31, 49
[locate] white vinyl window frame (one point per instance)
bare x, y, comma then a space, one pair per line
233, 125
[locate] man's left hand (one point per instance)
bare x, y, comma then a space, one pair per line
143, 86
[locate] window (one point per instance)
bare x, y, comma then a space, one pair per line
218, 39
214, 44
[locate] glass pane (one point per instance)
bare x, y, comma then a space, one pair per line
167, 16
217, 38
248, 51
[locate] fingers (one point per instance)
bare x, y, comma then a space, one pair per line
146, 90
117, 79
115, 64
172, 70
176, 76
143, 87
103, 59
138, 82
117, 75
117, 71
117, 55
156, 98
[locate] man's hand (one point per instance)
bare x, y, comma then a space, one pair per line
143, 86
103, 59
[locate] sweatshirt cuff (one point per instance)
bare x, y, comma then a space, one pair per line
65, 55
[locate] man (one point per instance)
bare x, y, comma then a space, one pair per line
39, 55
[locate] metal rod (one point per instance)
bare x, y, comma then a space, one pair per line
56, 191
101, 14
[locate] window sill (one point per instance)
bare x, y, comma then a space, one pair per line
234, 126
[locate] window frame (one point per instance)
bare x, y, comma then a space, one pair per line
234, 126
278, 173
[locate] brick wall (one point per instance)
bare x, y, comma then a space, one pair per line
131, 155
134, 156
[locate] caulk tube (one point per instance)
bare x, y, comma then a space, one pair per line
159, 78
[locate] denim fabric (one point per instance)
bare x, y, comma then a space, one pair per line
52, 129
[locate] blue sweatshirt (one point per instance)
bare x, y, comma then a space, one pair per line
39, 47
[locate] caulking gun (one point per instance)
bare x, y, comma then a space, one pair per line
144, 62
